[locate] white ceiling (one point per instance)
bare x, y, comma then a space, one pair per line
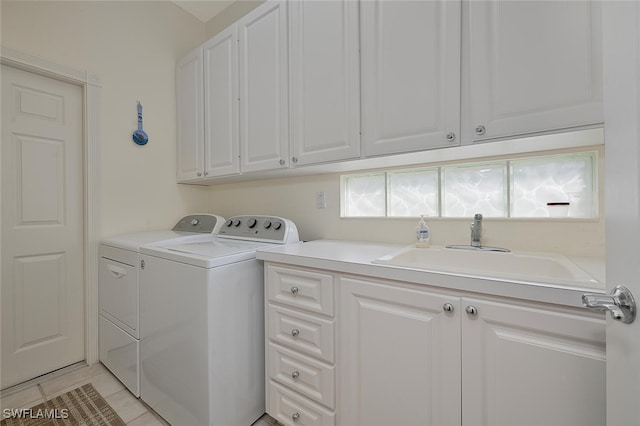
204, 10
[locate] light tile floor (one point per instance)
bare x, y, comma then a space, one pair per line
132, 411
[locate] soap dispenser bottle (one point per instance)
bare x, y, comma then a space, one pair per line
422, 233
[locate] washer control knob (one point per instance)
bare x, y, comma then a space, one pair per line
267, 224
277, 225
194, 222
251, 223
236, 223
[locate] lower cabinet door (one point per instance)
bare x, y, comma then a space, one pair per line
398, 356
527, 366
291, 409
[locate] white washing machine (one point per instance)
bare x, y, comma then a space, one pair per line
202, 323
118, 289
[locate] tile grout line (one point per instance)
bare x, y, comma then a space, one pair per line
135, 418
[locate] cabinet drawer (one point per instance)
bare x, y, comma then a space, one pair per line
294, 410
306, 333
118, 294
308, 290
303, 374
120, 353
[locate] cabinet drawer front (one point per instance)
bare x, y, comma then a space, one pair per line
120, 353
118, 294
306, 333
305, 375
308, 290
293, 410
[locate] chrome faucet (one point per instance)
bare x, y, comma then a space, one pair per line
476, 231
476, 238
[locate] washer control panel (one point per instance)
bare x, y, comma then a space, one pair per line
200, 223
260, 228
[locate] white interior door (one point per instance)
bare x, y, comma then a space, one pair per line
621, 68
42, 226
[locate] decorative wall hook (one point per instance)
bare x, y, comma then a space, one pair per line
139, 136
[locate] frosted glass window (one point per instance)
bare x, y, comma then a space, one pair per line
364, 195
522, 187
413, 193
478, 188
536, 182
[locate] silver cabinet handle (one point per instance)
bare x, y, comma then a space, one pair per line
199, 174
295, 332
206, 173
142, 264
282, 162
294, 159
471, 310
295, 417
480, 130
447, 307
620, 303
295, 374
451, 136
294, 290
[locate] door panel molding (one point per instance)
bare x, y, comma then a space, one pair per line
91, 93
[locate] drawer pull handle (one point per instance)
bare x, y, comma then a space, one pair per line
295, 332
295, 375
294, 290
117, 271
295, 417
472, 311
447, 307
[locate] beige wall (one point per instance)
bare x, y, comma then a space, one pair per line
133, 47
295, 198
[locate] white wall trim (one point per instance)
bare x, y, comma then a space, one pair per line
91, 88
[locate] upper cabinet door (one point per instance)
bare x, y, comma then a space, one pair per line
534, 66
264, 140
190, 131
410, 75
221, 129
325, 81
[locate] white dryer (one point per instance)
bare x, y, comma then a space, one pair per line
118, 288
202, 323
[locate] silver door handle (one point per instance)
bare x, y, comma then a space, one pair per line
620, 303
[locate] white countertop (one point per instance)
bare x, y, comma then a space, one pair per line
356, 257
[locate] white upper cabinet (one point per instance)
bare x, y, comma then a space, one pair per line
324, 81
410, 75
190, 130
221, 131
534, 66
264, 140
